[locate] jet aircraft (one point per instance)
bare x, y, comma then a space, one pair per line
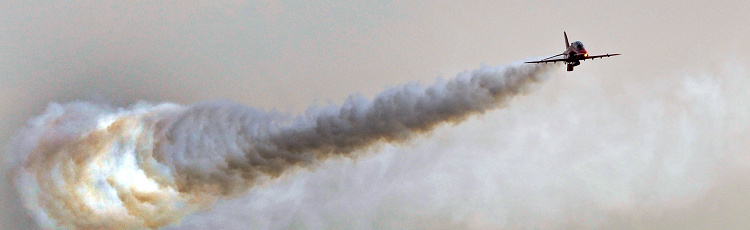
573, 55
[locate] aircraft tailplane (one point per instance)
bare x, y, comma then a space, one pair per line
567, 44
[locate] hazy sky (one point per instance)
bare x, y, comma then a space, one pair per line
653, 138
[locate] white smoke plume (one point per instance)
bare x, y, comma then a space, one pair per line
580, 152
91, 166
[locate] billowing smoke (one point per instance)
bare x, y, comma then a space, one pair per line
84, 165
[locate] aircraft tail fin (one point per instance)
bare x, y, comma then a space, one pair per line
567, 44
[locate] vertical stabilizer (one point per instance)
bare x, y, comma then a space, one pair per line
567, 44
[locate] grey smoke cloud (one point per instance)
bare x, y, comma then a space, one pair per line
666, 155
84, 165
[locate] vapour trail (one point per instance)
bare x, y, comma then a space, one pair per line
83, 165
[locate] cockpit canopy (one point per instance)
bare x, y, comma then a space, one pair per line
578, 45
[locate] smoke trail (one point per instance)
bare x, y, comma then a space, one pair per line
83, 165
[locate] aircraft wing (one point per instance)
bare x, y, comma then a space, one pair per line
548, 60
600, 56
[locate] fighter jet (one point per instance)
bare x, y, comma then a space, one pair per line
573, 55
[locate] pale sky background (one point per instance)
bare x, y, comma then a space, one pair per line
655, 138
